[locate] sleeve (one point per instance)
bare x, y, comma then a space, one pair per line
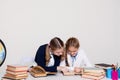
62, 63
40, 60
86, 60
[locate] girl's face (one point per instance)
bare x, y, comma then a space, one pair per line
58, 52
72, 50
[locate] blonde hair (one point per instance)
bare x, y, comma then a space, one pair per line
55, 43
71, 42
74, 42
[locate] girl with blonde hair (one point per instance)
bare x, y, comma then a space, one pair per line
48, 56
75, 56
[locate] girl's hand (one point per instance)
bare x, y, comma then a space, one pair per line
78, 69
62, 68
65, 69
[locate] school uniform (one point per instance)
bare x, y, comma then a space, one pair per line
41, 61
79, 60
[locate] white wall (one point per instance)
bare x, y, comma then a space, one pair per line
26, 24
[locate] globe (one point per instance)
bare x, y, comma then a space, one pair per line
2, 52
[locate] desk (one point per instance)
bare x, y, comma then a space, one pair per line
60, 76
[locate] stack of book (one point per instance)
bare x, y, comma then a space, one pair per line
93, 73
15, 72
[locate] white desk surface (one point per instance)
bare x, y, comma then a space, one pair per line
60, 76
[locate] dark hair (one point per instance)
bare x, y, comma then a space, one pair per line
56, 43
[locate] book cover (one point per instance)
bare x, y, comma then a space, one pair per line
16, 72
94, 70
69, 73
92, 77
17, 67
38, 75
94, 74
16, 76
5, 78
103, 65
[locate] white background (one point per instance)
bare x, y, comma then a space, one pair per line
27, 24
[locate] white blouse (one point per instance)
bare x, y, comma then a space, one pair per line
52, 61
80, 60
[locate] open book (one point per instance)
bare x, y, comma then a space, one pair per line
71, 73
38, 71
